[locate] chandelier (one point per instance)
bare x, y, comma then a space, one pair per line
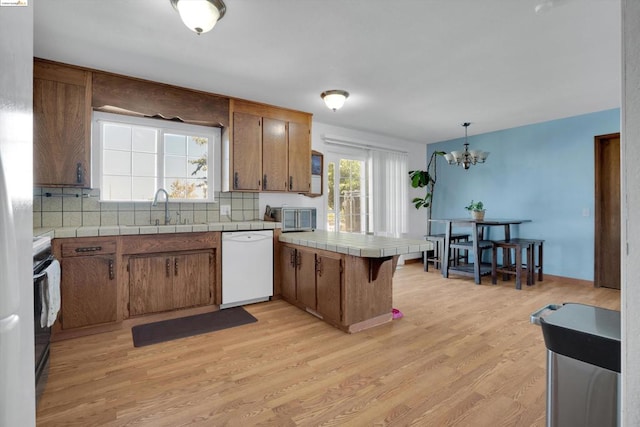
467, 157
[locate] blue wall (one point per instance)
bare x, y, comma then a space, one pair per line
543, 172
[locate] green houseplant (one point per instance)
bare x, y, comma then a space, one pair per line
477, 209
426, 179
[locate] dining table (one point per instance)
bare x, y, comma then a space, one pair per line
477, 270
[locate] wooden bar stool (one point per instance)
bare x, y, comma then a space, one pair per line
513, 266
438, 250
534, 265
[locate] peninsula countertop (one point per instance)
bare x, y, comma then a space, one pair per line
361, 245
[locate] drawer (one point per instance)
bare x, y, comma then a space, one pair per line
88, 247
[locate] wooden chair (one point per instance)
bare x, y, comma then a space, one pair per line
438, 250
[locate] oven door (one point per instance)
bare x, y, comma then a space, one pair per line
42, 334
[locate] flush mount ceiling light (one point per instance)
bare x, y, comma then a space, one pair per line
467, 157
334, 99
200, 15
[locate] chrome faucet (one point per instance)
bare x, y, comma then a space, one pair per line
167, 218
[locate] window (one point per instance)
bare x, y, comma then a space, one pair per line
134, 157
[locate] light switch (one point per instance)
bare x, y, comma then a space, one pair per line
585, 212
225, 210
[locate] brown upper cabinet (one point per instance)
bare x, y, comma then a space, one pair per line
265, 148
269, 149
62, 125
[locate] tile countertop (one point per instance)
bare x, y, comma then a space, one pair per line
122, 230
361, 245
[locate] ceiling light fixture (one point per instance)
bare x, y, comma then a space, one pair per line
334, 99
200, 15
467, 157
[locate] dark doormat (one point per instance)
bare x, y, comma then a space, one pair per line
167, 330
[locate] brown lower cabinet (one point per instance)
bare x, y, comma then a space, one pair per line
313, 280
88, 288
350, 292
169, 281
105, 280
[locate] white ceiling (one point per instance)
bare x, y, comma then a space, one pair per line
416, 69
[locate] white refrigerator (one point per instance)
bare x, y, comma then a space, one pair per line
17, 383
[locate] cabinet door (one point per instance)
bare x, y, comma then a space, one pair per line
247, 152
288, 271
191, 280
150, 284
306, 278
329, 287
88, 291
62, 122
274, 155
299, 157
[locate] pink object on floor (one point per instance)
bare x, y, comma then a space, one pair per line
397, 314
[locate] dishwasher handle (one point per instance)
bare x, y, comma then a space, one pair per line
543, 312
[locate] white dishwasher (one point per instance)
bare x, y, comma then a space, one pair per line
247, 267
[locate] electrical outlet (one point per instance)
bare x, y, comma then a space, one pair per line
225, 210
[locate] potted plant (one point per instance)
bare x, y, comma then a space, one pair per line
476, 209
426, 178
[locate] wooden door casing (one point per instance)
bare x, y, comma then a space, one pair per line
607, 241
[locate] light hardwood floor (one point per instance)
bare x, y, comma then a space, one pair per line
462, 355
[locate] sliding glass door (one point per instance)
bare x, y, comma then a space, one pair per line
348, 195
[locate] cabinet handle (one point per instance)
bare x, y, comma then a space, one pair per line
168, 267
79, 173
292, 258
298, 260
264, 181
175, 267
319, 266
89, 249
235, 180
258, 187
111, 274
290, 182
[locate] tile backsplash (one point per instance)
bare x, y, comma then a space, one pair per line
71, 207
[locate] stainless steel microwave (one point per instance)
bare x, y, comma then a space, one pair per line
295, 219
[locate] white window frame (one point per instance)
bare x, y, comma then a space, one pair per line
162, 127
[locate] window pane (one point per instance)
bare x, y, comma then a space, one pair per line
144, 140
175, 144
116, 162
175, 166
143, 188
144, 164
117, 137
198, 146
116, 187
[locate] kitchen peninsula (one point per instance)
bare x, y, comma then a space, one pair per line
345, 279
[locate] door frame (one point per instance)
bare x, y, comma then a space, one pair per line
599, 172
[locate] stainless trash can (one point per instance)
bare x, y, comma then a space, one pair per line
583, 364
